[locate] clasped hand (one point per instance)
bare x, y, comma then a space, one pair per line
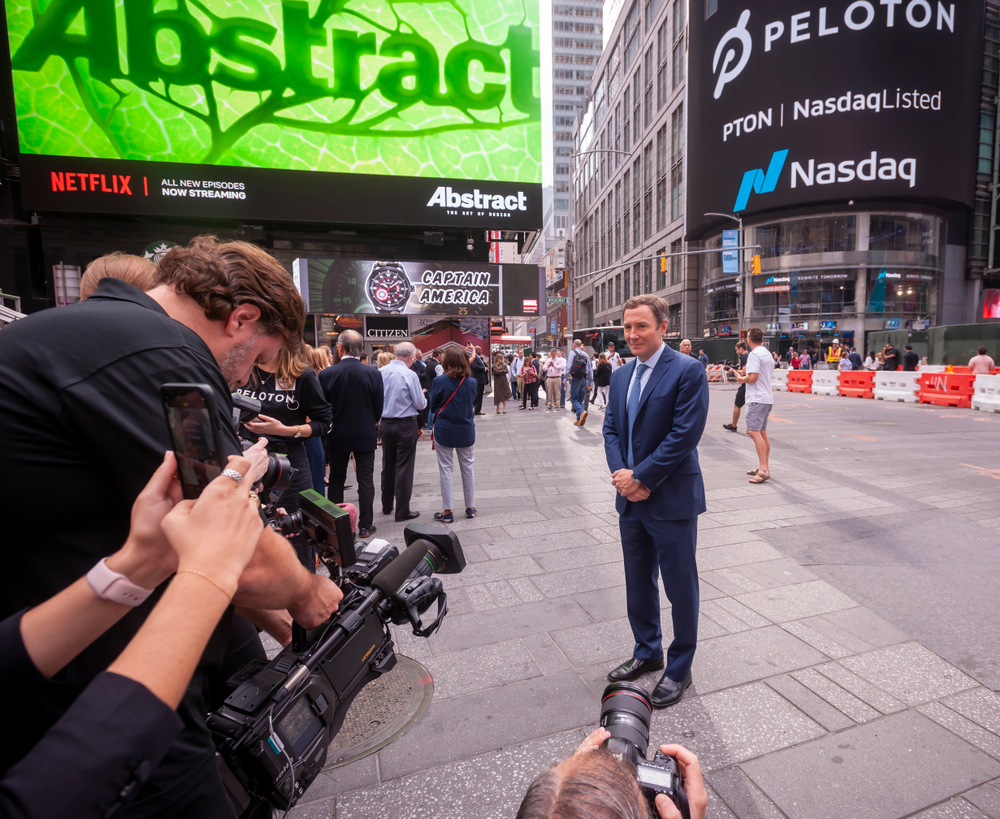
628, 486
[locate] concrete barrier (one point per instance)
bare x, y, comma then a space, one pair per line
987, 393
779, 381
897, 386
825, 382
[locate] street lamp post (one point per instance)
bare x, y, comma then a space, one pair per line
741, 280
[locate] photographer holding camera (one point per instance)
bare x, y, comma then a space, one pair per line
82, 429
105, 745
595, 782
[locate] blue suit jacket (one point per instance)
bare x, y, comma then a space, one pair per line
669, 423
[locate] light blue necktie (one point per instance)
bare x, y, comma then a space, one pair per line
633, 407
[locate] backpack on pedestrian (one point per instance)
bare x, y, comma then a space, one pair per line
579, 368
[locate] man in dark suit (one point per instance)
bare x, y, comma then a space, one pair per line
356, 393
656, 414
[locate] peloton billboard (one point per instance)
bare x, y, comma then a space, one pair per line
794, 102
369, 112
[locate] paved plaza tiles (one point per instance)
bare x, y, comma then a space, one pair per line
849, 647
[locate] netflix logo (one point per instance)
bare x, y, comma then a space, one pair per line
95, 183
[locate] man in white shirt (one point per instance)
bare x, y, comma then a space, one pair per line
760, 366
614, 359
554, 368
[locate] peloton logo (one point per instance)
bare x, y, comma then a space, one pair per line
805, 27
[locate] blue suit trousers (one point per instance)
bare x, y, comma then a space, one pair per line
667, 548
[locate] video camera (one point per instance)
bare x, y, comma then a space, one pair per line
274, 730
625, 712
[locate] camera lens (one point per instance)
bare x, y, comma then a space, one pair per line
625, 712
278, 475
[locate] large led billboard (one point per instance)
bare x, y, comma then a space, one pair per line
368, 111
796, 103
407, 288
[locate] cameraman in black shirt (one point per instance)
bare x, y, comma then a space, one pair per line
82, 429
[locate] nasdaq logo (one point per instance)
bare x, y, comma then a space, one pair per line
756, 181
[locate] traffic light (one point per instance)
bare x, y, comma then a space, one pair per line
756, 265
663, 263
743, 334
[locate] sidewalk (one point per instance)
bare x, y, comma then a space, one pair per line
850, 620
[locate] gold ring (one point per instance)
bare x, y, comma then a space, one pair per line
254, 497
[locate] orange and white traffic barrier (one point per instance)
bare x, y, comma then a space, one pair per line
779, 380
947, 389
857, 383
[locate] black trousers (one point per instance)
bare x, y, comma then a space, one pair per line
399, 454
480, 389
366, 482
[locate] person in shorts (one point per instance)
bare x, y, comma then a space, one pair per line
760, 367
742, 352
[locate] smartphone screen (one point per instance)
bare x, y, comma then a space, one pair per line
189, 416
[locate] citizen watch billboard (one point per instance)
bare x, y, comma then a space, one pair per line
406, 288
795, 103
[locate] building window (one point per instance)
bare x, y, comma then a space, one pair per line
677, 135
637, 204
648, 278
676, 191
630, 34
647, 225
661, 178
679, 21
626, 202
625, 289
618, 289
652, 7
674, 318
637, 102
662, 52
618, 221
626, 144
648, 94
676, 263
678, 66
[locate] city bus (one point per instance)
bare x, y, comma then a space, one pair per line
596, 339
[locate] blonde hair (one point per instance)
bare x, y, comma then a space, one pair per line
319, 359
289, 370
134, 270
384, 358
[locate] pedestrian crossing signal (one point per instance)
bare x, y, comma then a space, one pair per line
756, 265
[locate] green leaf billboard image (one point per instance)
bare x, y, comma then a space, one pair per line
443, 90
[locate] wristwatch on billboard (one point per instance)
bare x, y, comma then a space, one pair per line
388, 287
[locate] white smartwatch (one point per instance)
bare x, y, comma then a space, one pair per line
110, 585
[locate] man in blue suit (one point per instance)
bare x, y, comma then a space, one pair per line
655, 416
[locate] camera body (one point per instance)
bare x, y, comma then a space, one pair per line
274, 730
625, 712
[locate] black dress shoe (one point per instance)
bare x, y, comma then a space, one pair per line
669, 692
630, 669
410, 516
386, 511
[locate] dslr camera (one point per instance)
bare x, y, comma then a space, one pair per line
625, 713
274, 729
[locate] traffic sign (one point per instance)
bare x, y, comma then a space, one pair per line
555, 299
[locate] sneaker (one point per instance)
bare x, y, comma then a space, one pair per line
583, 418
730, 427
444, 517
470, 511
363, 532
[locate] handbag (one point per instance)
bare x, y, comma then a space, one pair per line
445, 404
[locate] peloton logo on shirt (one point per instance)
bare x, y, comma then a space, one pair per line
280, 397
